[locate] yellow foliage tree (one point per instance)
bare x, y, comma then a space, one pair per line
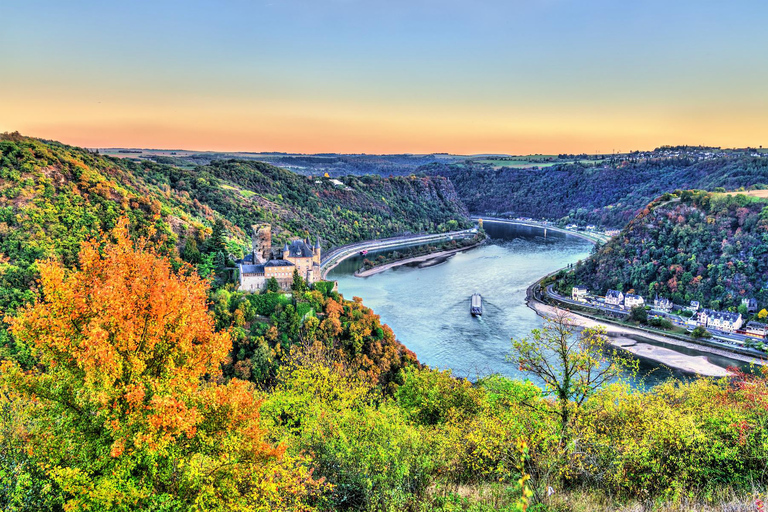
125, 409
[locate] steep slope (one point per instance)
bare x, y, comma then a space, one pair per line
359, 208
54, 196
605, 195
692, 245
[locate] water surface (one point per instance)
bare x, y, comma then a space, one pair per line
428, 308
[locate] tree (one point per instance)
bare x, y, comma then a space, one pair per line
700, 332
124, 408
273, 285
298, 285
638, 314
218, 239
572, 366
762, 314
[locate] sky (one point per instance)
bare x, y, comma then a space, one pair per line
387, 76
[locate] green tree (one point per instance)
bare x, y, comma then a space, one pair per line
191, 253
638, 314
700, 332
572, 366
218, 239
298, 285
273, 285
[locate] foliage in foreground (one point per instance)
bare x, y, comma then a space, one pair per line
127, 408
124, 409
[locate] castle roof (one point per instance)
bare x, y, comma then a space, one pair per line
251, 269
278, 263
298, 249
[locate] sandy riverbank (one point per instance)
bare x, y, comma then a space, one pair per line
426, 259
617, 336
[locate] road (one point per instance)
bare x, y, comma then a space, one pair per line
725, 340
590, 236
339, 254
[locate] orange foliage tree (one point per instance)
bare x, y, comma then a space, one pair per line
125, 408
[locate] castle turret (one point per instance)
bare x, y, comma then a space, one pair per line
316, 252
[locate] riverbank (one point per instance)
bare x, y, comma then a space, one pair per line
426, 259
618, 336
334, 257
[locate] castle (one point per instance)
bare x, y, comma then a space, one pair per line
262, 264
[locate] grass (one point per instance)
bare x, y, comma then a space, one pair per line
487, 497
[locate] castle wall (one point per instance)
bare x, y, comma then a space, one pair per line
252, 282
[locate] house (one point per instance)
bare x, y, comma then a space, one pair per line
614, 298
261, 265
692, 323
579, 293
756, 329
631, 301
662, 304
751, 304
720, 320
694, 307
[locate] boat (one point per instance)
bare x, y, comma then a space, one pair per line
476, 305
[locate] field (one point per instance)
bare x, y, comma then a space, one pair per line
523, 162
754, 193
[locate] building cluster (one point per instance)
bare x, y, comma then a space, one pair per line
724, 321
264, 263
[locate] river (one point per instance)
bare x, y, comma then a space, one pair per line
428, 308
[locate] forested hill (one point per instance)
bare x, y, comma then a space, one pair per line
340, 211
608, 195
54, 196
692, 245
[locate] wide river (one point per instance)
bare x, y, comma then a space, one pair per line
428, 308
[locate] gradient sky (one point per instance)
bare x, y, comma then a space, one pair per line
387, 76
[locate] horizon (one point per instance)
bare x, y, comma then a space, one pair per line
346, 76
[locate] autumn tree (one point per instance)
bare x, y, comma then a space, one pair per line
125, 408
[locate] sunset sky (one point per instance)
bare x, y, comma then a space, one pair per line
390, 76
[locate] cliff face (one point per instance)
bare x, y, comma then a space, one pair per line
693, 245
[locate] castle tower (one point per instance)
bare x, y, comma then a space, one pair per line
261, 242
316, 252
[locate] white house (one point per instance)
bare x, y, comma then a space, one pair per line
720, 320
614, 298
662, 304
694, 307
579, 293
630, 301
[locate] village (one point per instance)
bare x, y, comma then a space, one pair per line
738, 328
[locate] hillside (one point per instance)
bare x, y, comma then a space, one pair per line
606, 195
691, 245
360, 208
53, 196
